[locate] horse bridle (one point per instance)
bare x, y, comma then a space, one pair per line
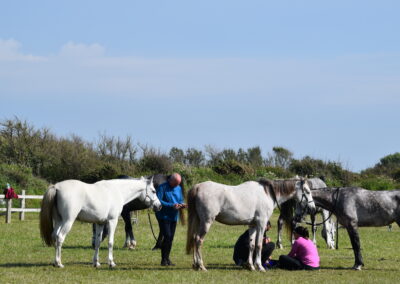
330, 212
304, 196
148, 195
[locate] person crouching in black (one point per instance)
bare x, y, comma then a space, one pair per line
241, 250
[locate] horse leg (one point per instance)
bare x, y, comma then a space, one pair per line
112, 226
130, 242
252, 244
198, 243
280, 227
355, 243
258, 246
313, 227
98, 238
329, 228
60, 232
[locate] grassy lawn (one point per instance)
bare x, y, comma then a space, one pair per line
23, 258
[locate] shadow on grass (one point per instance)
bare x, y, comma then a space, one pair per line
363, 269
84, 247
19, 264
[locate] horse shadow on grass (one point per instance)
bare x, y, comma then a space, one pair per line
20, 264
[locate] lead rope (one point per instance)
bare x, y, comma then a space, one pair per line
151, 225
330, 212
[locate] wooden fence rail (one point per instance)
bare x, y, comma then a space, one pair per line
22, 197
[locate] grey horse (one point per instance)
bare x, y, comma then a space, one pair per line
357, 207
286, 216
250, 203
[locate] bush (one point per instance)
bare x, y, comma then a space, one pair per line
231, 167
372, 182
155, 163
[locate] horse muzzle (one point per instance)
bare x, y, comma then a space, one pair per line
157, 206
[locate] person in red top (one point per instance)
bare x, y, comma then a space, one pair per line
304, 254
9, 192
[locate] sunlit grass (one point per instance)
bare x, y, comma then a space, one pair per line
23, 258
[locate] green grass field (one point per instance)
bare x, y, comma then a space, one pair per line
23, 258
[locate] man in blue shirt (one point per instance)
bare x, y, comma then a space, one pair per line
171, 198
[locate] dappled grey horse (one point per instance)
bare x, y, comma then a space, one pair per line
286, 216
357, 207
250, 203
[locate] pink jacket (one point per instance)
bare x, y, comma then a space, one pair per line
305, 251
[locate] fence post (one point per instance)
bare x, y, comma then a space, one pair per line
22, 213
8, 213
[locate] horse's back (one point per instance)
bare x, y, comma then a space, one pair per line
231, 205
371, 208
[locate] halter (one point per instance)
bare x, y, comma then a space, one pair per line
330, 212
304, 196
148, 196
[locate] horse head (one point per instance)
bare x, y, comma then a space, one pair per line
304, 198
150, 197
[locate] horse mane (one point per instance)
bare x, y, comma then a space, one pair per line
282, 187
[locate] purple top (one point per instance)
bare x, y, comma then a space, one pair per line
305, 251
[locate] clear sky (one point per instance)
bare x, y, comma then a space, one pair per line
321, 78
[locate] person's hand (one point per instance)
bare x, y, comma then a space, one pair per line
183, 205
177, 206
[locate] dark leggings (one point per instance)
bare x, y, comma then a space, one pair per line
167, 228
290, 263
241, 254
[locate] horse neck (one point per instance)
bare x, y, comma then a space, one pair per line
281, 198
131, 189
324, 199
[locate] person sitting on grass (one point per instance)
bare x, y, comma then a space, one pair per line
304, 253
241, 250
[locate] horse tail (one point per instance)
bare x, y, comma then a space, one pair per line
46, 215
287, 211
193, 219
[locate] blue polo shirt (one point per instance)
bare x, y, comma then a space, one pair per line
169, 196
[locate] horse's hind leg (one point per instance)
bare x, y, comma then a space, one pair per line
98, 238
198, 242
280, 227
313, 227
112, 226
252, 244
60, 232
130, 242
355, 243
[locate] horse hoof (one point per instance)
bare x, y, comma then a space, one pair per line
58, 265
357, 267
131, 246
112, 265
249, 267
96, 265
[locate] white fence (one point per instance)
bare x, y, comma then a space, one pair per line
21, 197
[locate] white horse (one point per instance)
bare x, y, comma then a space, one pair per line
98, 203
250, 203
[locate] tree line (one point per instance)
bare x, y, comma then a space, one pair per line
56, 158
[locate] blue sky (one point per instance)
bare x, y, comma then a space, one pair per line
319, 78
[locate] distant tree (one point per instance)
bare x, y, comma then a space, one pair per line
194, 157
177, 155
281, 157
388, 166
242, 156
228, 155
254, 156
